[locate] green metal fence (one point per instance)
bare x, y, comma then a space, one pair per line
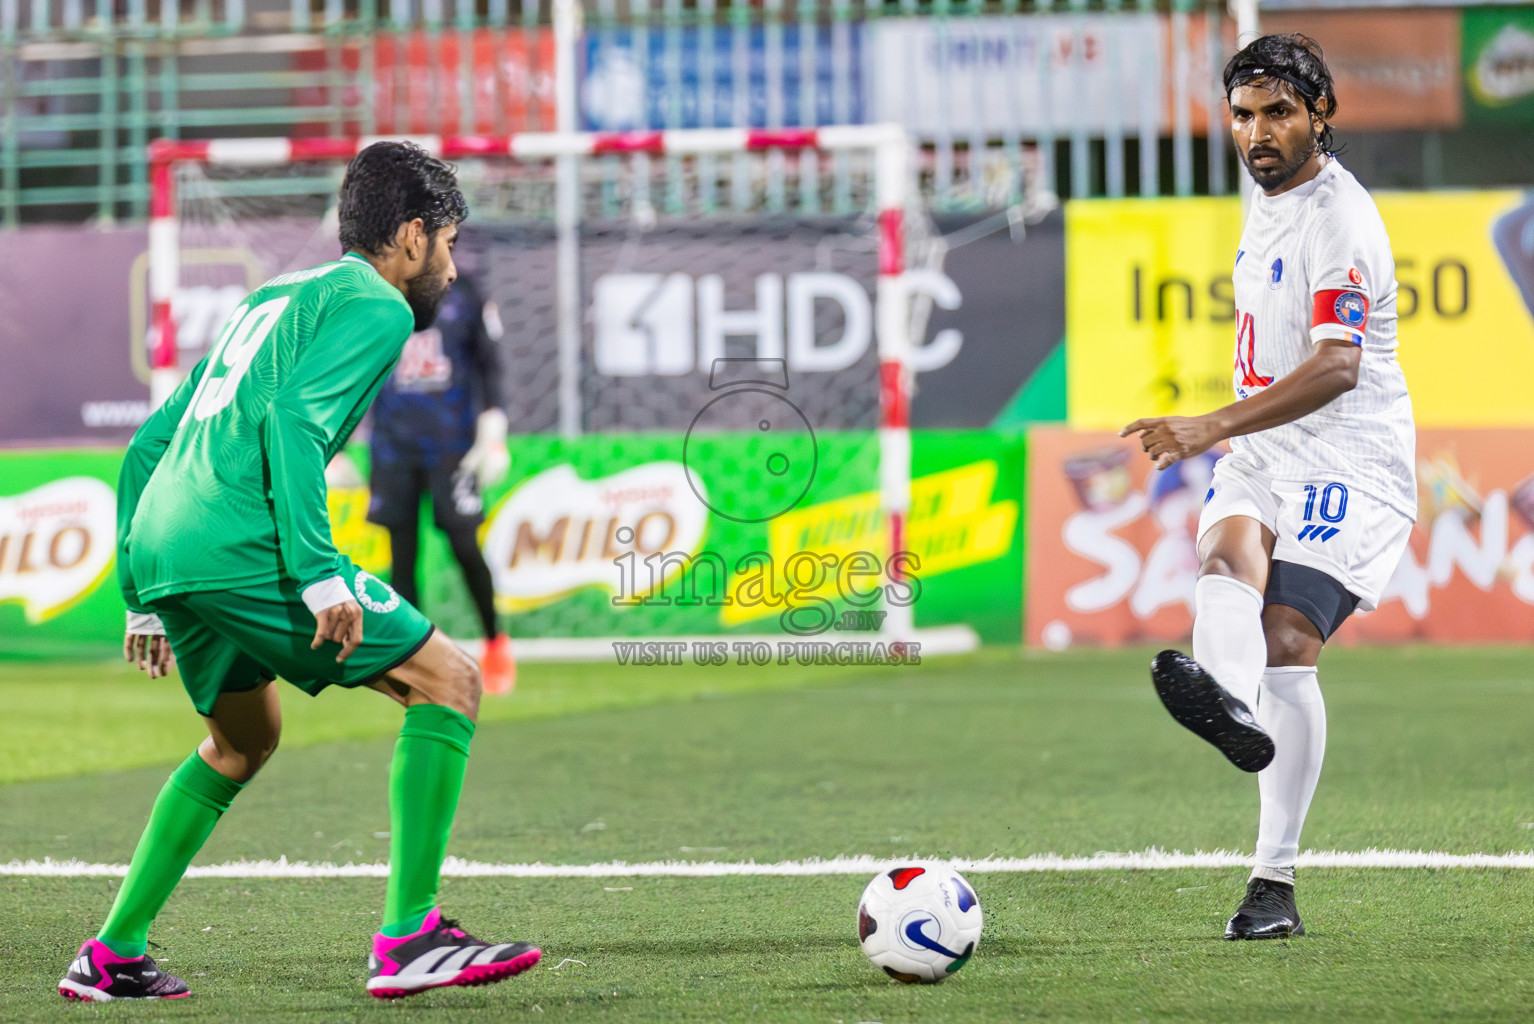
85, 84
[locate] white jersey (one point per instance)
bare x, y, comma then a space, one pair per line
1315, 264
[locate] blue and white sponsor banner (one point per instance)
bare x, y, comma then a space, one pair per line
1033, 74
722, 77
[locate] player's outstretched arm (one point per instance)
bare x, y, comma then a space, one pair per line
1330, 372
337, 373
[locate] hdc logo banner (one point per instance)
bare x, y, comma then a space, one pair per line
673, 324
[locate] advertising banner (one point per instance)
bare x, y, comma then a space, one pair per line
1150, 311
994, 74
662, 304
1111, 555
1499, 65
595, 537
1469, 576
744, 76
1110, 542
58, 533
1009, 322
417, 78
69, 356
1393, 72
631, 535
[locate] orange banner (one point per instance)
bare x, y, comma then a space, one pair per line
421, 79
1392, 71
1469, 576
1111, 556
418, 80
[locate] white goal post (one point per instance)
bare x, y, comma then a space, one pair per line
892, 187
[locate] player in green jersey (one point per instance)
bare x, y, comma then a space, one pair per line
225, 558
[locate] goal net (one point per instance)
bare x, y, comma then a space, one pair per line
683, 270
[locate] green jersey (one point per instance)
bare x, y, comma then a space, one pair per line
224, 485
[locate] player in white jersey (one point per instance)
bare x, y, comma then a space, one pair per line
1311, 510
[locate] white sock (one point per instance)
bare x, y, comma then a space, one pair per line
1227, 634
1290, 708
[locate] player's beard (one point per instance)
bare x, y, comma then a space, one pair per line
425, 293
1270, 178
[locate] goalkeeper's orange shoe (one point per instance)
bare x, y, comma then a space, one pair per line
498, 665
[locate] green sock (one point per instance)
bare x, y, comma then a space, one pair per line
184, 814
424, 782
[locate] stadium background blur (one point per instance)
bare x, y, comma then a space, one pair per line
1070, 216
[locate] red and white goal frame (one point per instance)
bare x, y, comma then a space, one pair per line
887, 143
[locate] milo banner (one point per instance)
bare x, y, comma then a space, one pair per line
1111, 555
1150, 311
58, 533
627, 535
651, 535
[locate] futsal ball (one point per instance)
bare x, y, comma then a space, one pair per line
919, 922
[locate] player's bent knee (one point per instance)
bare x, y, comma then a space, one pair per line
243, 732
458, 684
255, 757
441, 672
469, 687
1290, 642
1218, 564
240, 763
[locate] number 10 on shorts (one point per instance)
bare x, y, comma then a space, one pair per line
1331, 502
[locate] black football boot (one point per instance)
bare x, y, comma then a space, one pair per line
1268, 912
1203, 706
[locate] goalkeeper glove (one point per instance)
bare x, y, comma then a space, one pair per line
488, 460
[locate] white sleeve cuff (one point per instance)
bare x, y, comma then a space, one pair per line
326, 594
145, 624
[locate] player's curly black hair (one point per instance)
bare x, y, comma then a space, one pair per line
392, 183
1293, 58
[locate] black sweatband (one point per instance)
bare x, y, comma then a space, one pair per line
1320, 598
1249, 76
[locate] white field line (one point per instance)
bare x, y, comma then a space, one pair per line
1149, 860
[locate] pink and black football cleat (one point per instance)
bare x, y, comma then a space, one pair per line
99, 975
442, 954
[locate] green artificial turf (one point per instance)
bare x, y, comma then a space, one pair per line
1000, 753
114, 716
1395, 945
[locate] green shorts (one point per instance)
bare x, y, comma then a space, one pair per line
230, 641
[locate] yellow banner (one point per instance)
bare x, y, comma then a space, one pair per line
1150, 311
953, 524
363, 542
